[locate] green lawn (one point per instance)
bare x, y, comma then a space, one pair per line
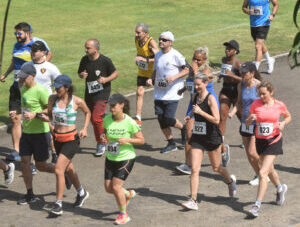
66, 25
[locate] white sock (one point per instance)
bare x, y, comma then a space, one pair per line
80, 191
59, 202
267, 56
138, 117
279, 188
257, 63
223, 137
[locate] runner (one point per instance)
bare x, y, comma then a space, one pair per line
228, 95
62, 111
146, 48
121, 133
34, 140
8, 170
200, 63
206, 136
267, 111
260, 21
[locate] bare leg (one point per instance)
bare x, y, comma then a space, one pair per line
253, 158
259, 47
16, 131
139, 100
196, 158
26, 171
224, 110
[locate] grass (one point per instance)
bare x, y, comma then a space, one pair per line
66, 25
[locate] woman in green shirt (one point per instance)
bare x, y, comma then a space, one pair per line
121, 132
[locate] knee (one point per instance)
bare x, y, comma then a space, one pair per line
258, 46
216, 169
59, 171
24, 163
263, 174
195, 170
140, 91
108, 189
116, 188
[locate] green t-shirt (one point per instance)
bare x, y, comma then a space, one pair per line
115, 130
34, 100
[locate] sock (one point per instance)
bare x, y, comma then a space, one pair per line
59, 202
258, 203
80, 191
194, 197
138, 117
279, 188
123, 209
223, 138
257, 63
267, 56
29, 191
171, 141
126, 192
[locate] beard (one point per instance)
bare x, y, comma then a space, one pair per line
21, 40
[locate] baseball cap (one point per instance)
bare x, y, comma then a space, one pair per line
62, 80
26, 70
247, 66
38, 45
233, 44
168, 35
116, 98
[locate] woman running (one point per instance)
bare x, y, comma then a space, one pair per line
121, 133
206, 136
267, 111
228, 95
62, 111
200, 63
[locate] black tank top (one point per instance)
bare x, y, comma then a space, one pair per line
203, 129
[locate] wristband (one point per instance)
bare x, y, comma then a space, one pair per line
38, 115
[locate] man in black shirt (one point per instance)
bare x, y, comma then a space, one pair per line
98, 72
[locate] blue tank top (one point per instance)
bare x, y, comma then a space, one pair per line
261, 13
249, 95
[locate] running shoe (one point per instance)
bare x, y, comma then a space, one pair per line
169, 148
56, 209
9, 174
255, 181
81, 199
27, 199
184, 168
254, 211
280, 196
100, 150
54, 158
232, 186
183, 134
190, 204
130, 197
270, 64
226, 155
14, 156
122, 219
33, 169
68, 182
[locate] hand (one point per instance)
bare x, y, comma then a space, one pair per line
250, 119
83, 74
83, 133
251, 11
102, 80
2, 78
29, 116
122, 141
44, 118
149, 82
186, 119
12, 114
140, 58
103, 138
195, 66
197, 109
281, 125
170, 79
230, 115
270, 18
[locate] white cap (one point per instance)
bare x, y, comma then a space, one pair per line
168, 35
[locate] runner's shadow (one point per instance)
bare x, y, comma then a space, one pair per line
4, 151
287, 169
150, 161
149, 118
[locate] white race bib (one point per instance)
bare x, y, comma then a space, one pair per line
265, 129
247, 129
199, 128
60, 118
142, 65
225, 67
94, 86
256, 10
162, 83
190, 86
113, 148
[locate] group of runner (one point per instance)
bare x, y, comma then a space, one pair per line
116, 133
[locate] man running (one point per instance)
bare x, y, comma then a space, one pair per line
146, 48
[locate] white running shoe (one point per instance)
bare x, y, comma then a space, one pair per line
232, 186
190, 204
226, 155
254, 181
254, 212
271, 63
100, 150
9, 174
280, 195
184, 168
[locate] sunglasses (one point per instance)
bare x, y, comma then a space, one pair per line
164, 40
18, 33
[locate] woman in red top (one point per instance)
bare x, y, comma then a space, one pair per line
266, 111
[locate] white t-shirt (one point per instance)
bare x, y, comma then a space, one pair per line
168, 64
46, 73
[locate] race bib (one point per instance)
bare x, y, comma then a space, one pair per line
225, 67
256, 10
94, 86
247, 129
162, 83
113, 148
199, 128
265, 129
190, 86
142, 65
60, 118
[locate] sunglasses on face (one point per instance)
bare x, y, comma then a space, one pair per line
18, 33
195, 59
164, 40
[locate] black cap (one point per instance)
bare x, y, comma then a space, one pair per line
247, 66
26, 70
62, 80
38, 45
116, 98
233, 44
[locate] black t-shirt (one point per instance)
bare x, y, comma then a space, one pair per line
102, 67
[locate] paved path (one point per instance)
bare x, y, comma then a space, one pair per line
161, 189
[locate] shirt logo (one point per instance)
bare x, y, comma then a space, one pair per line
97, 72
43, 70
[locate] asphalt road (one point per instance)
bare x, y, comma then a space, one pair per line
160, 188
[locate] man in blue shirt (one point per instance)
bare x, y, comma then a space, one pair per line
260, 20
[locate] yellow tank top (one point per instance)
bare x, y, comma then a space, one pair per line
145, 68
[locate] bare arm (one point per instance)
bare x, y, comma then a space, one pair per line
215, 117
182, 73
104, 80
245, 8
138, 139
8, 71
82, 105
275, 9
